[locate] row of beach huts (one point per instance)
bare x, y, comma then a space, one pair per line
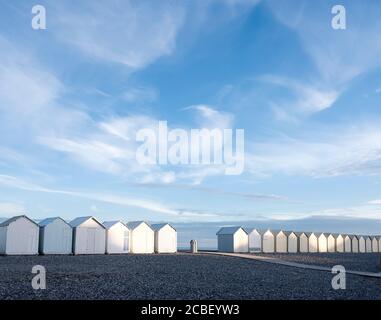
239, 239
21, 235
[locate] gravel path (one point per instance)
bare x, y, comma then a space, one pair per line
179, 276
370, 262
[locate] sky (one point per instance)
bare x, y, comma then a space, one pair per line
73, 97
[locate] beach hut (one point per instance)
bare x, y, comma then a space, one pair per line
379, 243
312, 242
255, 240
268, 241
165, 238
117, 237
347, 244
292, 242
89, 236
339, 242
19, 236
302, 242
232, 239
375, 244
142, 237
368, 244
355, 244
322, 242
280, 241
362, 244
331, 243
56, 236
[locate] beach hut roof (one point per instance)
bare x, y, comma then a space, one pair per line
230, 230
134, 224
158, 226
78, 221
45, 222
109, 224
250, 230
13, 219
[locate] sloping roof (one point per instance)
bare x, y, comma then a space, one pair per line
250, 230
319, 234
352, 236
229, 230
300, 233
78, 221
45, 222
109, 224
288, 233
134, 224
158, 226
309, 234
13, 219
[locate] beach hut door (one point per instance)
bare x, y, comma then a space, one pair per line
90, 240
126, 241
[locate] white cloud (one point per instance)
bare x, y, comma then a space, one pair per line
11, 209
307, 99
124, 201
375, 202
131, 33
353, 151
211, 118
140, 95
339, 55
25, 87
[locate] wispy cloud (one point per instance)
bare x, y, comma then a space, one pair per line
306, 100
209, 117
124, 201
126, 32
8, 209
340, 151
339, 56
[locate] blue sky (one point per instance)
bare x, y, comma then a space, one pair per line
73, 96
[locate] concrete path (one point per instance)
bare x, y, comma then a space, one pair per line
291, 264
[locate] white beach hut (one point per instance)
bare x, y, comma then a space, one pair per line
347, 244
379, 243
233, 239
19, 236
292, 242
56, 236
89, 236
255, 240
375, 244
368, 244
268, 241
165, 238
142, 237
331, 242
323, 242
355, 244
339, 242
362, 244
117, 237
312, 242
280, 241
302, 242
